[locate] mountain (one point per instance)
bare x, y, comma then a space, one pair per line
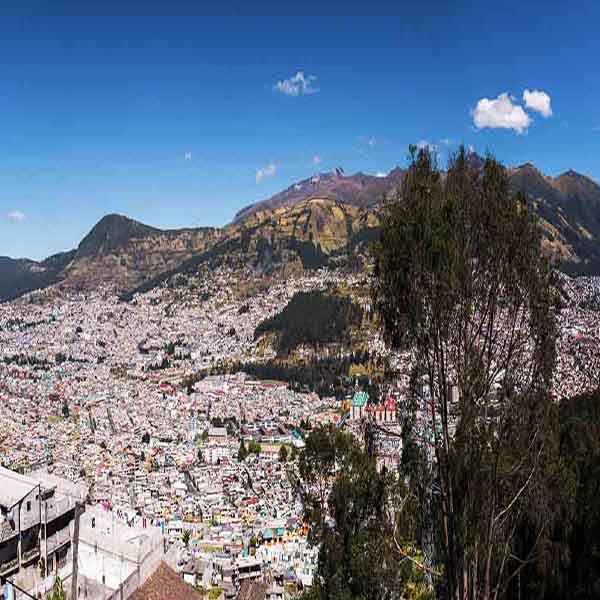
569, 209
19, 276
356, 190
326, 220
121, 252
309, 234
111, 232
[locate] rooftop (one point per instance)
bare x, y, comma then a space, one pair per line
165, 584
360, 399
14, 487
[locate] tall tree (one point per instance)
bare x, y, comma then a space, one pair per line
461, 285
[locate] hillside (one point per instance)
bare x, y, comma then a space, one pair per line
312, 318
308, 235
19, 276
124, 253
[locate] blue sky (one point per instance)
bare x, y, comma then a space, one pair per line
171, 112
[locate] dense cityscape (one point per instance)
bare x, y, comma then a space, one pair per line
117, 399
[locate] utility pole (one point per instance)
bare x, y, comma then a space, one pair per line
45, 539
78, 512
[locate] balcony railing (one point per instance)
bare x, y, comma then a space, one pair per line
30, 554
9, 566
7, 531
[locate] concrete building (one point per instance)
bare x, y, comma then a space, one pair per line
36, 527
114, 555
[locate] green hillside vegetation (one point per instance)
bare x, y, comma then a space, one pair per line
569, 565
312, 318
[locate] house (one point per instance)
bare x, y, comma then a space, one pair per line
165, 584
190, 572
35, 524
217, 434
359, 404
248, 568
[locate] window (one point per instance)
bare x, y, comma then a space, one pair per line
28, 505
62, 556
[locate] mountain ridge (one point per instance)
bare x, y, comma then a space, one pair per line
318, 221
359, 189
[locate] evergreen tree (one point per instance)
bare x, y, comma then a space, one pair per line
283, 454
242, 452
185, 536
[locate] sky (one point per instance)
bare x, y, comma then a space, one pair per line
182, 113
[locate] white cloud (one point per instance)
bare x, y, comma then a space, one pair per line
380, 174
500, 113
538, 101
267, 171
187, 156
298, 85
317, 160
16, 216
447, 141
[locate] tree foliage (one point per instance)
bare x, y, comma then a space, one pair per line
254, 447
242, 452
351, 508
569, 564
312, 318
58, 592
283, 454
461, 285
185, 537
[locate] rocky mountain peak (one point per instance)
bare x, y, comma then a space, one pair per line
110, 232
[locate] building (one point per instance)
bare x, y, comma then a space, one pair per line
390, 410
165, 584
359, 404
36, 526
247, 568
116, 554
